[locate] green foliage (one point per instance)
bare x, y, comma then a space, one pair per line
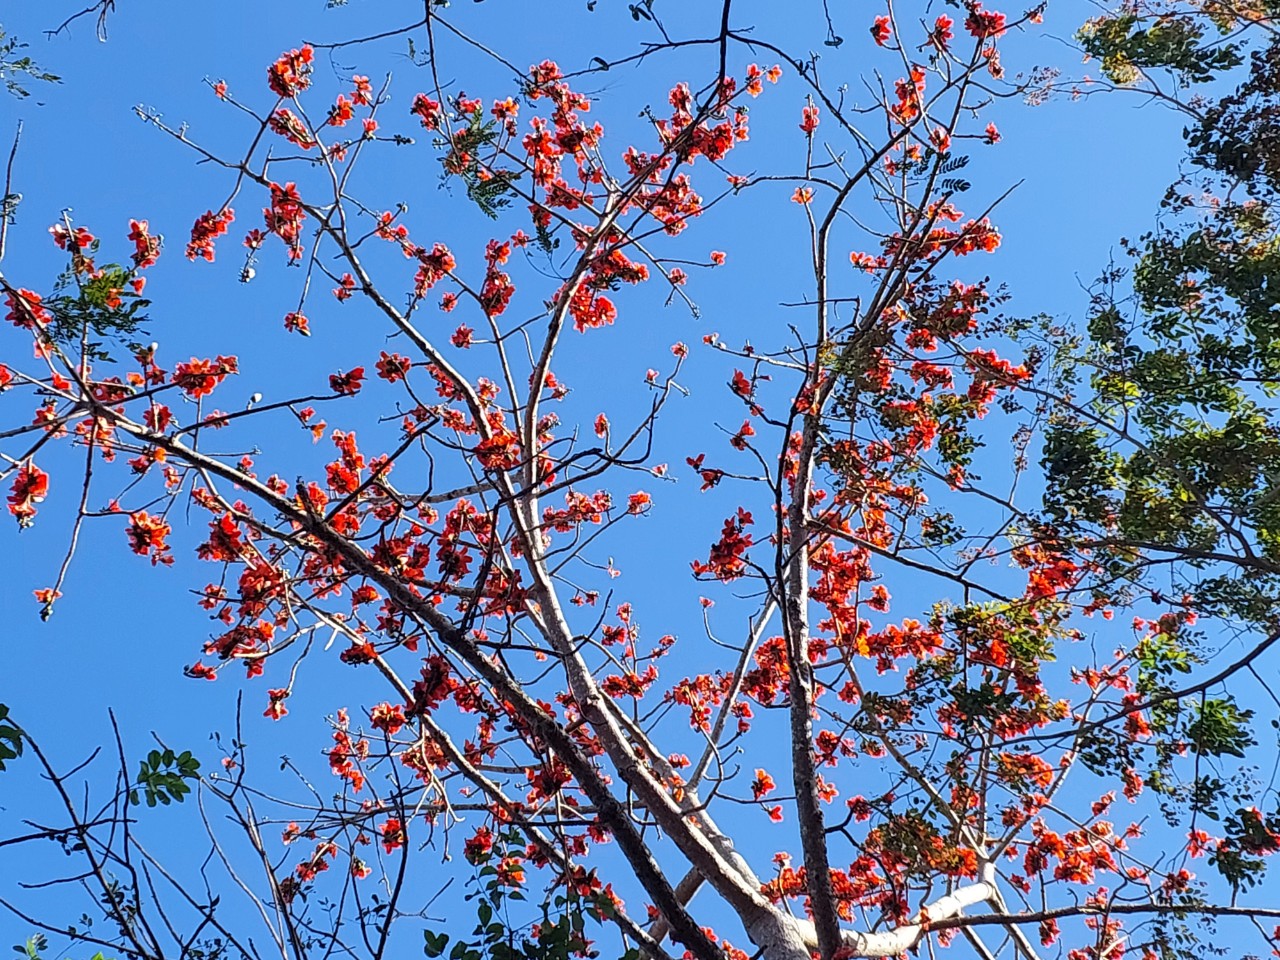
1250, 835
545, 241
162, 777
10, 738
1212, 731
1220, 728
492, 195
1162, 455
34, 946
17, 69
980, 705
1160, 656
99, 309
1176, 446
1127, 44
1106, 753
1023, 633
1239, 136
939, 528
1080, 473
913, 836
503, 931
490, 190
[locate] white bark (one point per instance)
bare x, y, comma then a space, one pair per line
890, 943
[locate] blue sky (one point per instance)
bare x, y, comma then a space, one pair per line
84, 150
1089, 172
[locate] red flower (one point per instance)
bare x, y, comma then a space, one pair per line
499, 452
881, 31
434, 686
275, 703
387, 717
208, 227
199, 671
147, 537
291, 74
1197, 843
477, 849
283, 218
393, 835
433, 266
199, 377
984, 23
347, 384
426, 110
511, 872
341, 113
393, 367
942, 34
727, 559
46, 595
1048, 932
739, 440
26, 310
64, 238
30, 486
146, 247
363, 93
345, 288
710, 476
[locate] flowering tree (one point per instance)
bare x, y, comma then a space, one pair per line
960, 767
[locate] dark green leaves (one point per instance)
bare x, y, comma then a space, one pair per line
1220, 728
162, 777
34, 946
1126, 45
1080, 472
508, 927
100, 309
1250, 835
490, 191
10, 738
17, 69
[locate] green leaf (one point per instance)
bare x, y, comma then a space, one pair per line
10, 738
163, 777
1219, 728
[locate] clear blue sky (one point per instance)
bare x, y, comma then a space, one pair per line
1090, 172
